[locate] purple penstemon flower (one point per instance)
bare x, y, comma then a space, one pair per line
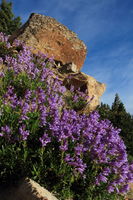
2, 74
64, 146
45, 139
6, 132
23, 132
110, 189
6, 129
124, 189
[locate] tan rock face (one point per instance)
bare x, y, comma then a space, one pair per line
27, 189
48, 36
94, 88
85, 82
45, 34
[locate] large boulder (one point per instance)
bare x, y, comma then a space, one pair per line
45, 34
50, 37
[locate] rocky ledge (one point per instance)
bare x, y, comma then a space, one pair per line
44, 34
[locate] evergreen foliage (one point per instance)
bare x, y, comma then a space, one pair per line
116, 103
120, 118
8, 22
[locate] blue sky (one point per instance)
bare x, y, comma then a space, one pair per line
106, 27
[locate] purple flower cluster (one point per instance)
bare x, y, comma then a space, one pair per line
83, 140
4, 39
97, 139
77, 94
10, 97
23, 132
5, 132
45, 139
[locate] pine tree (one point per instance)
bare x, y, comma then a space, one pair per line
104, 111
116, 103
118, 112
120, 118
8, 22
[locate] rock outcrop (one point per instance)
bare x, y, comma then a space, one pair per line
27, 189
50, 37
94, 89
83, 82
